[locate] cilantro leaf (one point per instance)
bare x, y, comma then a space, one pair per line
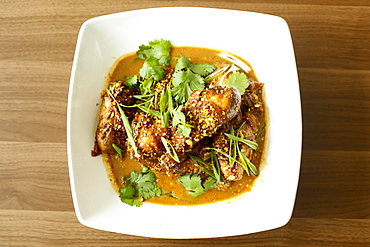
127, 192
145, 169
139, 187
239, 81
146, 186
188, 77
132, 81
201, 69
132, 202
184, 83
178, 116
210, 183
147, 176
179, 121
184, 130
134, 175
152, 69
127, 196
146, 86
160, 49
193, 183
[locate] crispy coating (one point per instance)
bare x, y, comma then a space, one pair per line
147, 132
208, 109
110, 128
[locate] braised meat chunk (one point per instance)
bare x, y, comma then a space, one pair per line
147, 132
253, 97
246, 127
210, 108
110, 128
231, 172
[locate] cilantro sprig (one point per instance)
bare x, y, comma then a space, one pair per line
179, 122
139, 187
152, 69
194, 184
239, 81
156, 54
188, 77
159, 49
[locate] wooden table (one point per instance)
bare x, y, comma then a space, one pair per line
332, 46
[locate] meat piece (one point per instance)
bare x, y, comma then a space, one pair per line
253, 97
182, 144
247, 126
222, 142
110, 127
248, 131
183, 147
208, 109
171, 167
147, 132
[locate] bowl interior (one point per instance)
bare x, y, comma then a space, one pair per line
265, 42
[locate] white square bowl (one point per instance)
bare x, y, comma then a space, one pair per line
265, 42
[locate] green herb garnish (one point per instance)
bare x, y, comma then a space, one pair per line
139, 187
152, 69
149, 111
170, 149
234, 151
215, 74
165, 106
179, 121
239, 81
193, 183
251, 144
261, 131
200, 69
188, 77
117, 149
159, 49
213, 168
204, 166
132, 81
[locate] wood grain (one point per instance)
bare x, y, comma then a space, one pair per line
332, 46
34, 176
334, 184
335, 109
39, 228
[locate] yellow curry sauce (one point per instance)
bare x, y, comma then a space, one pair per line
118, 168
